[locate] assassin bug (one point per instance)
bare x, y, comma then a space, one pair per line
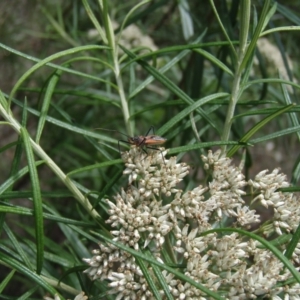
143, 141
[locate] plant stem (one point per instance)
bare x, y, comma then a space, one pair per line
114, 57
235, 94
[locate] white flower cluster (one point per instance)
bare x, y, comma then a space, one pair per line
225, 189
154, 213
286, 205
155, 174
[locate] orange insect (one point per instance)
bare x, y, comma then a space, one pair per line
143, 141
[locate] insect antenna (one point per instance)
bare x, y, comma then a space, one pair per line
128, 136
112, 130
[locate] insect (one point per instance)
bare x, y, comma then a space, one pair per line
143, 141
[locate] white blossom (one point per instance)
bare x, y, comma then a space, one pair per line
154, 213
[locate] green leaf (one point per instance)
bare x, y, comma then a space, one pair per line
294, 119
6, 280
37, 200
184, 51
162, 281
12, 179
56, 67
155, 106
197, 146
94, 20
71, 127
180, 116
257, 127
186, 19
255, 37
108, 186
13, 263
73, 238
224, 31
9, 145
296, 171
14, 169
278, 29
47, 60
29, 212
267, 111
214, 60
27, 295
95, 166
293, 243
269, 80
293, 116
16, 210
28, 194
19, 250
148, 278
46, 103
289, 14
275, 135
270, 14
169, 84
291, 189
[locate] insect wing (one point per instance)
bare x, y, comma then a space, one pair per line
154, 140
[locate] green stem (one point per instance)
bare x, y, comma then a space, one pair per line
235, 94
114, 56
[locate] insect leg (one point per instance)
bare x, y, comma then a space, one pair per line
157, 149
142, 147
151, 128
143, 141
123, 142
145, 151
